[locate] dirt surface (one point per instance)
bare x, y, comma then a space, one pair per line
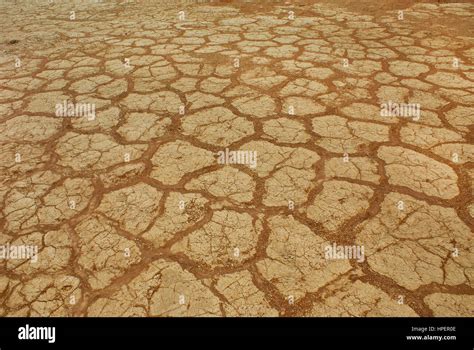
137, 207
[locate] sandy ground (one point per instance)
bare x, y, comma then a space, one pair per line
119, 121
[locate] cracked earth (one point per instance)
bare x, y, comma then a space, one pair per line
133, 215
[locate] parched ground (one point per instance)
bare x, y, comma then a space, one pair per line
134, 215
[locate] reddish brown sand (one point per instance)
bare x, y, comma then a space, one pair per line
133, 214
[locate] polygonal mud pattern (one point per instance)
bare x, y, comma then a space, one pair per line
133, 212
